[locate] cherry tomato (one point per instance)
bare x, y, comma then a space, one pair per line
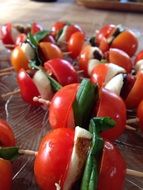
140, 114
52, 161
19, 59
104, 32
136, 94
112, 106
5, 175
71, 30
20, 39
49, 51
60, 110
75, 44
35, 27
113, 169
62, 70
138, 57
120, 58
57, 27
8, 34
126, 41
27, 87
6, 134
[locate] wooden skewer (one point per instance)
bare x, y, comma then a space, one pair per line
41, 100
66, 53
4, 74
4, 58
131, 121
134, 173
10, 93
130, 128
128, 171
8, 69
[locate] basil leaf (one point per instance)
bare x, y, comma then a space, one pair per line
84, 103
31, 40
40, 35
9, 153
55, 85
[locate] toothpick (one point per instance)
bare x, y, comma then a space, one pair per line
134, 173
8, 69
41, 100
130, 128
4, 74
28, 152
131, 121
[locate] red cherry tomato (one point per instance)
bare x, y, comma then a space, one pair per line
5, 175
112, 106
99, 74
62, 70
20, 39
6, 134
113, 169
138, 57
6, 36
105, 32
71, 30
60, 110
27, 87
57, 27
49, 51
52, 161
35, 27
136, 94
120, 58
126, 41
140, 114
19, 59
75, 44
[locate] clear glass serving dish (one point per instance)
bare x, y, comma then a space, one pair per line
30, 124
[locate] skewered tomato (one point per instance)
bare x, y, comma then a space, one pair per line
75, 44
5, 175
62, 70
140, 114
6, 134
113, 169
112, 106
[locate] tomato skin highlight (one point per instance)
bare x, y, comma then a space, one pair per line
5, 174
113, 169
62, 70
27, 87
51, 163
6, 134
111, 105
60, 110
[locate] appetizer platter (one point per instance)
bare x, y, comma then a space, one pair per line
71, 108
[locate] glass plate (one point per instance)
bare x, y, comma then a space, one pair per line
30, 124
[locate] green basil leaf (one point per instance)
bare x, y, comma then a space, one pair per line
31, 40
55, 85
40, 35
9, 153
84, 103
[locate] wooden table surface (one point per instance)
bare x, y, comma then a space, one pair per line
27, 11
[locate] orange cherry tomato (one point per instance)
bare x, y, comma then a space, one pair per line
138, 57
52, 161
5, 175
119, 57
126, 41
19, 59
75, 44
6, 134
49, 51
112, 106
136, 93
